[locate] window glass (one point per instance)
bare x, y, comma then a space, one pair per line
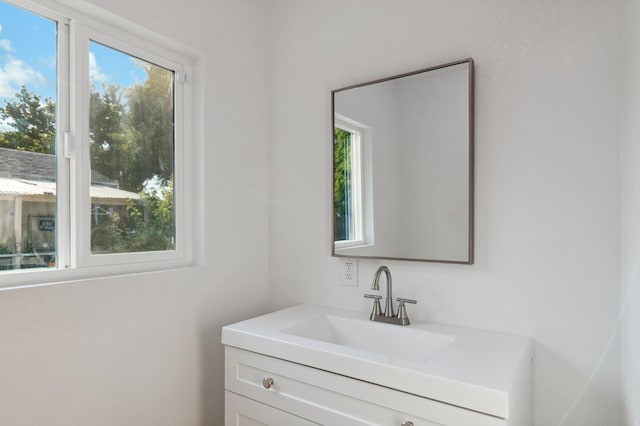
343, 181
132, 145
28, 178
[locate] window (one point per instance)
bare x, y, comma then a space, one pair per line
349, 220
94, 135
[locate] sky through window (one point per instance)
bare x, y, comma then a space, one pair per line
28, 58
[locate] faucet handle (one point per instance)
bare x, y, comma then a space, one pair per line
402, 310
377, 309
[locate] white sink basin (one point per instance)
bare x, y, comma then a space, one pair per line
475, 369
385, 340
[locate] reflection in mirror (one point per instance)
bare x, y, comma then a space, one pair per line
403, 166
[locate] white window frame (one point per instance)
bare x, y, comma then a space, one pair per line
76, 28
361, 180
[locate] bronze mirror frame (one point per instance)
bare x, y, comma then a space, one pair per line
471, 169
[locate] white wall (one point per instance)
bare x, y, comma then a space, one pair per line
630, 294
144, 349
547, 175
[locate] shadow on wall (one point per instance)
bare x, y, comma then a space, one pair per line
212, 365
212, 379
587, 389
630, 347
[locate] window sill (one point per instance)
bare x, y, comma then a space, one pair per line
25, 278
339, 245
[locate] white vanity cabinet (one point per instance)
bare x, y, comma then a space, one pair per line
309, 365
301, 395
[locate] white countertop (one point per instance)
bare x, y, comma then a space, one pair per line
478, 370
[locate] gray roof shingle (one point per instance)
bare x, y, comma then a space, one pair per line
41, 167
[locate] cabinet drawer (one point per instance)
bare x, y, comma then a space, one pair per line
335, 400
241, 411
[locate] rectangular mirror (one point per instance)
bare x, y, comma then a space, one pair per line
403, 166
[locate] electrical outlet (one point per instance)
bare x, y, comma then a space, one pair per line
349, 271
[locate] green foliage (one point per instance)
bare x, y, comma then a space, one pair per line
147, 226
153, 220
107, 142
131, 130
34, 121
109, 236
149, 127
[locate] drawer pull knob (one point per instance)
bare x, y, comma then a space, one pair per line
407, 423
267, 382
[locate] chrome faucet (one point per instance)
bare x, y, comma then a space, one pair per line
375, 285
387, 315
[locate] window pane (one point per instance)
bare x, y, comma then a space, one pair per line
131, 138
27, 139
343, 187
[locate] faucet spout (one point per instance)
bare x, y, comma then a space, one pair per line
388, 311
388, 315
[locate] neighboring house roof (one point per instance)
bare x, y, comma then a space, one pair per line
9, 186
41, 167
27, 165
24, 173
24, 188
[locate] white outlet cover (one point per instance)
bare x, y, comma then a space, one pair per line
349, 271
